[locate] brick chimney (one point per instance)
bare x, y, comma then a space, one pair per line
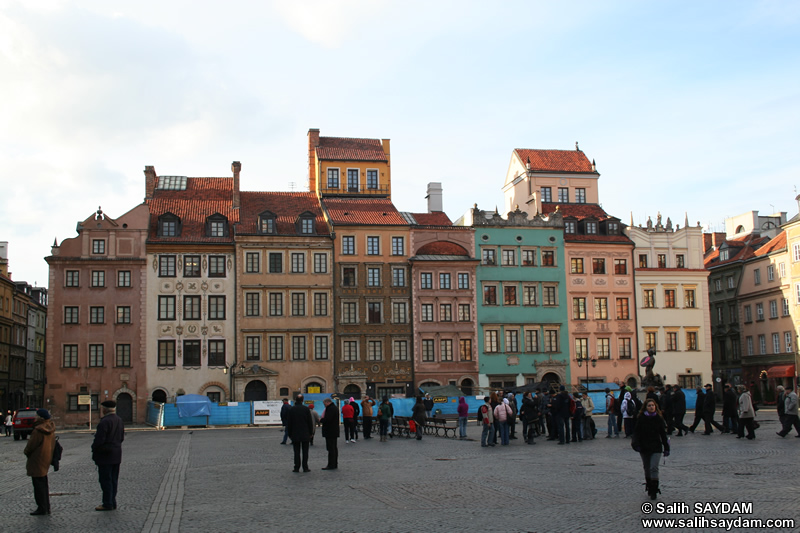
236, 167
150, 182
313, 143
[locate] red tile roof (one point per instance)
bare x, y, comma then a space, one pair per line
437, 218
286, 206
442, 248
739, 249
555, 160
778, 243
346, 149
363, 211
202, 198
579, 211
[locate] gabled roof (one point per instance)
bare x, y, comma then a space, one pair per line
347, 149
778, 243
437, 218
555, 160
363, 211
286, 206
739, 249
202, 198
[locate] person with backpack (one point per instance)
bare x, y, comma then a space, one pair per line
628, 413
39, 452
577, 411
487, 421
611, 410
650, 441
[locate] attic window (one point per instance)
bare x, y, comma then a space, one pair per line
306, 225
591, 228
266, 223
723, 255
169, 225
613, 228
217, 226
172, 183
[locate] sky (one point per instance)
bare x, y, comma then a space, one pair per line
688, 108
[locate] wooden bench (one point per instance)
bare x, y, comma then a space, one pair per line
400, 426
439, 427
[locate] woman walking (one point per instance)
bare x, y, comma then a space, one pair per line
463, 415
650, 440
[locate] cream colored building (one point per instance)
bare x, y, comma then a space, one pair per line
672, 306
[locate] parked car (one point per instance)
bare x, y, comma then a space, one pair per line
23, 423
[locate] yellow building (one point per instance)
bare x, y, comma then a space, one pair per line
348, 167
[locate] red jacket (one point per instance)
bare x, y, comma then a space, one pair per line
348, 411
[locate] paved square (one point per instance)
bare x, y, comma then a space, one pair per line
241, 479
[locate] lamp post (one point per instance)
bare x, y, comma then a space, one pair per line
580, 361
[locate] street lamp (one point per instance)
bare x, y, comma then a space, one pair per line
580, 360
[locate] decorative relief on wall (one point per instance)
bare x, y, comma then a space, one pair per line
578, 281
167, 286
512, 360
600, 281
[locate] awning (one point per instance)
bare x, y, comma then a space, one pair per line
780, 371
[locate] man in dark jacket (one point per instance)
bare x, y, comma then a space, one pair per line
39, 452
531, 413
730, 410
107, 453
284, 414
300, 426
679, 410
709, 407
330, 432
698, 409
561, 414
665, 402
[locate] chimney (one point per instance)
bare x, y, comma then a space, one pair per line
236, 167
434, 197
313, 143
150, 182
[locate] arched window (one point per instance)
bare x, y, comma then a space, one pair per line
159, 396
352, 391
314, 388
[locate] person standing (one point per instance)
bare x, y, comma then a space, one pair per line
384, 418
107, 453
348, 414
367, 407
39, 452
622, 390
530, 412
577, 417
747, 414
487, 419
679, 410
300, 425
315, 416
790, 417
730, 408
8, 423
665, 403
330, 432
588, 423
512, 419
501, 415
418, 415
463, 415
561, 414
780, 404
356, 414
650, 440
284, 413
611, 410
428, 403
628, 413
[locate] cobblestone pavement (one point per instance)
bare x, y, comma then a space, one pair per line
241, 479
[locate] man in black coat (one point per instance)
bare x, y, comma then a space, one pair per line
698, 409
284, 414
709, 407
679, 410
330, 431
300, 426
530, 412
730, 410
107, 453
561, 414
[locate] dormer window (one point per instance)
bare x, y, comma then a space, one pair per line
266, 223
723, 255
217, 226
305, 223
169, 225
613, 228
591, 227
570, 226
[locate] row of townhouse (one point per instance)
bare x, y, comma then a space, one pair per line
23, 321
238, 295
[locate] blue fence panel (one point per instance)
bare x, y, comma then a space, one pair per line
171, 418
228, 415
153, 416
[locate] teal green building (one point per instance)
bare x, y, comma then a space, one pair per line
521, 312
